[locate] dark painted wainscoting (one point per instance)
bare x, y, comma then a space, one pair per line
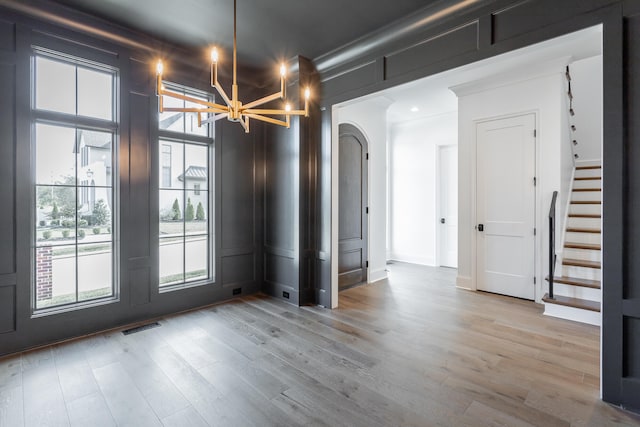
291, 259
423, 45
238, 183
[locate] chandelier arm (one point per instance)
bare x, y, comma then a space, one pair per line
164, 92
245, 123
268, 120
222, 93
263, 100
275, 112
215, 118
194, 110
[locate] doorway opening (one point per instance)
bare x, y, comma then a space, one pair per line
409, 125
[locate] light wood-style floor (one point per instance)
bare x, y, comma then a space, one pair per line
409, 351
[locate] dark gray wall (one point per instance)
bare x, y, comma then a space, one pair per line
497, 27
290, 204
238, 184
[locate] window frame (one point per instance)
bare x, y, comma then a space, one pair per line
185, 138
77, 123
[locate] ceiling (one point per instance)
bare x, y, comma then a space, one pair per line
431, 96
268, 31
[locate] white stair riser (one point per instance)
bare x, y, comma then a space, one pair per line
581, 272
571, 313
584, 222
582, 254
580, 173
588, 162
586, 195
588, 183
585, 209
577, 292
582, 237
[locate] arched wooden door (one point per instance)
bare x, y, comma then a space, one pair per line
353, 226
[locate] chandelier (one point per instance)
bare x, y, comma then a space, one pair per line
233, 110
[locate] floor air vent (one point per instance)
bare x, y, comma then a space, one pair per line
141, 328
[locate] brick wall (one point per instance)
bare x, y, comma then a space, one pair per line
44, 273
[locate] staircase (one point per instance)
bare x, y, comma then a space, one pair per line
577, 294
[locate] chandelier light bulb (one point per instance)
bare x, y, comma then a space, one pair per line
287, 107
307, 93
214, 55
283, 70
159, 68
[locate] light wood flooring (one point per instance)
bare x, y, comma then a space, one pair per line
409, 351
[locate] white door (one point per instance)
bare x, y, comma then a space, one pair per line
505, 206
448, 202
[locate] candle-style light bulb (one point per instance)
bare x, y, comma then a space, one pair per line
214, 55
307, 94
159, 68
287, 107
283, 70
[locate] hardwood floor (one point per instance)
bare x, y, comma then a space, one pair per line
409, 351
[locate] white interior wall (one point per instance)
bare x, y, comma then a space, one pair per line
542, 94
371, 119
413, 152
586, 86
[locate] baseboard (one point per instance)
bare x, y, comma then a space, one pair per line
377, 275
463, 282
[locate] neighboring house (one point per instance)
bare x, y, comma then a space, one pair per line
95, 170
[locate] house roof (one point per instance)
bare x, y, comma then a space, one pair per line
95, 139
196, 173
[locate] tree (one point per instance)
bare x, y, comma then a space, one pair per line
55, 213
188, 213
100, 213
200, 212
175, 210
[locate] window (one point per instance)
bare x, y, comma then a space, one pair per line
74, 134
166, 166
185, 199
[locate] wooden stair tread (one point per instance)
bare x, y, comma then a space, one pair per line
573, 302
589, 246
584, 283
581, 263
583, 230
587, 189
582, 168
576, 215
586, 202
587, 178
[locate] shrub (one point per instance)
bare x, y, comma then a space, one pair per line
42, 223
82, 223
55, 222
200, 212
65, 233
68, 223
100, 213
175, 210
81, 234
46, 235
55, 213
109, 230
188, 213
96, 230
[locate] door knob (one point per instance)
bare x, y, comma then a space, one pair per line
441, 220
480, 227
